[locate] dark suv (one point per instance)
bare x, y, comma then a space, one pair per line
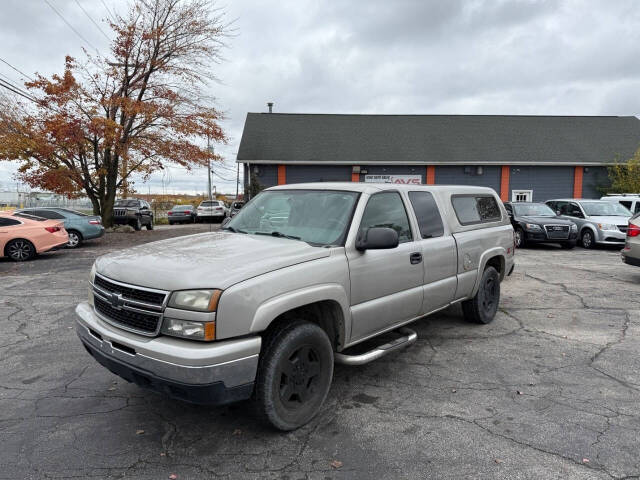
134, 212
537, 223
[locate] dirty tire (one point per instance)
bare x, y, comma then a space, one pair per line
150, 224
20, 250
483, 307
137, 225
294, 375
587, 239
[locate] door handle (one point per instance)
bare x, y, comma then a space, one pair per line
415, 258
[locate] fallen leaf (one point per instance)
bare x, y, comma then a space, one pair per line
162, 454
453, 390
519, 392
497, 460
336, 464
585, 460
550, 315
139, 432
531, 384
237, 431
111, 389
173, 476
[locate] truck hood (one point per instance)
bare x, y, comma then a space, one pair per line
607, 219
206, 260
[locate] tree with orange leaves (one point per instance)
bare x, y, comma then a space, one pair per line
100, 121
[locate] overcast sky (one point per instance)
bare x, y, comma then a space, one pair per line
375, 56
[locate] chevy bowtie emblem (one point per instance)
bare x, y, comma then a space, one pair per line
116, 301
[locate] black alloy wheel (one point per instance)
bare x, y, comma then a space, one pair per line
20, 250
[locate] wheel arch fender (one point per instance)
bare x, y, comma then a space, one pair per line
589, 227
496, 256
297, 300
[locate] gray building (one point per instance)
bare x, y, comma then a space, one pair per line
521, 157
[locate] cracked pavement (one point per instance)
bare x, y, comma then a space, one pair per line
549, 390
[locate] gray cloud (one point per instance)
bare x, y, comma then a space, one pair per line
463, 57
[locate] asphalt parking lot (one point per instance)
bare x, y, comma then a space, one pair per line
549, 390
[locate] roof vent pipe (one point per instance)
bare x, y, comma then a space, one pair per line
270, 105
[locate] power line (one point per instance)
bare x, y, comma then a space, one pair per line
111, 15
71, 26
11, 66
16, 90
93, 21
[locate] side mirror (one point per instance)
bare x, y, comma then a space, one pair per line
558, 212
377, 238
225, 221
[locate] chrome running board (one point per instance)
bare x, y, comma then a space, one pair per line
409, 337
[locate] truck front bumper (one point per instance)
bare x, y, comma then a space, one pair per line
197, 372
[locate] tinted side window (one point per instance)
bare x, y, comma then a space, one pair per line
626, 204
49, 214
8, 222
387, 210
637, 207
429, 219
574, 210
476, 209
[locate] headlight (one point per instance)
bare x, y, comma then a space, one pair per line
198, 300
532, 226
205, 331
574, 227
606, 226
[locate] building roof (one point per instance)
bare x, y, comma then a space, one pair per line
437, 139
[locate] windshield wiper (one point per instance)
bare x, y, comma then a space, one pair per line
279, 235
231, 229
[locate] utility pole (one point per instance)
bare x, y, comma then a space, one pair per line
237, 179
210, 150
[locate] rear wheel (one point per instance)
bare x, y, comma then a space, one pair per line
483, 307
20, 250
587, 239
294, 375
75, 239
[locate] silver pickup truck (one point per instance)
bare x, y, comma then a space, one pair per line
263, 308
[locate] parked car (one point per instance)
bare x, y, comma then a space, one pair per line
23, 236
235, 208
78, 225
182, 214
631, 251
212, 210
599, 222
134, 212
537, 223
630, 201
255, 310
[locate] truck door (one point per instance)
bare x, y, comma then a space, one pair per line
386, 285
439, 253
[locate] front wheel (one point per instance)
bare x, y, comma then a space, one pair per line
483, 307
137, 225
587, 239
294, 375
20, 250
519, 236
150, 224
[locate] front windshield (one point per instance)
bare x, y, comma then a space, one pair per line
594, 209
533, 210
126, 203
319, 217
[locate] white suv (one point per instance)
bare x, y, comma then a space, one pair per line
212, 210
630, 201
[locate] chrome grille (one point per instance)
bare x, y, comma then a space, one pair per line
119, 212
129, 307
557, 232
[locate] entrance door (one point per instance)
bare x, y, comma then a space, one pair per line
521, 195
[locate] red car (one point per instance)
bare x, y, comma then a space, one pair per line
23, 236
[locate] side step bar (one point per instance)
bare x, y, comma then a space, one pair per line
409, 337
